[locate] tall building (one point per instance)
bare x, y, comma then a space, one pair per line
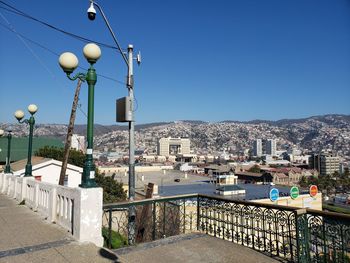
257, 148
324, 163
78, 142
329, 164
173, 146
270, 147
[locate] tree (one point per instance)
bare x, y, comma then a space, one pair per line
303, 182
76, 158
112, 190
254, 169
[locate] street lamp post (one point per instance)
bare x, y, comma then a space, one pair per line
130, 86
68, 62
19, 114
8, 160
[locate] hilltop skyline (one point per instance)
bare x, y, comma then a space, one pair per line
209, 61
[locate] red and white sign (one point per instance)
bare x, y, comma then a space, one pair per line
313, 190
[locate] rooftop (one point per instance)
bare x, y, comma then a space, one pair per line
253, 191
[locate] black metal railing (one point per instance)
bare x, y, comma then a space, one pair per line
266, 228
155, 219
325, 237
290, 233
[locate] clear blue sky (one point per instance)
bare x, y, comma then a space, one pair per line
202, 60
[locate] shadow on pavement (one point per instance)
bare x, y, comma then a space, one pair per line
109, 255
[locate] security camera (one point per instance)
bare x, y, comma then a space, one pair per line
91, 12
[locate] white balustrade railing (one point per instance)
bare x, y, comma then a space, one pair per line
18, 191
79, 210
65, 207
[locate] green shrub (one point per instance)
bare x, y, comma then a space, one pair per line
118, 240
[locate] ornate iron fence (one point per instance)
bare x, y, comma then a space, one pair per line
290, 233
155, 218
266, 228
325, 237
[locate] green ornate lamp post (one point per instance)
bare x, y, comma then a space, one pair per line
9, 137
69, 62
19, 114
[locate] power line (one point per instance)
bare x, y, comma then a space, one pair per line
23, 38
53, 52
78, 37
27, 46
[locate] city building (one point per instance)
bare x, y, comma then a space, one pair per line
78, 142
173, 146
324, 163
270, 147
257, 148
328, 164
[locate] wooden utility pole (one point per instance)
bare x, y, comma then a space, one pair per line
69, 134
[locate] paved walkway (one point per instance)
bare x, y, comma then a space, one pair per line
27, 237
191, 248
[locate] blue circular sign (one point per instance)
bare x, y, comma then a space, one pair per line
274, 194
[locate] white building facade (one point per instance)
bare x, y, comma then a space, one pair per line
257, 148
173, 146
78, 142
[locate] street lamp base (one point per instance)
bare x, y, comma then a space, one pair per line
28, 171
88, 184
8, 170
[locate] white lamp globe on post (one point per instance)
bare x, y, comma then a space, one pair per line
32, 108
19, 114
68, 62
92, 52
7, 169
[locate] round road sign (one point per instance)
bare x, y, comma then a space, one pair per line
294, 192
313, 190
274, 194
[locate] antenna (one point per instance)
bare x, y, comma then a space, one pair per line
138, 58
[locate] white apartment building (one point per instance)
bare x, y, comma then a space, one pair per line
78, 142
270, 147
173, 146
328, 164
257, 148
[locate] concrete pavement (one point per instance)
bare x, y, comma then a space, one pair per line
25, 236
191, 248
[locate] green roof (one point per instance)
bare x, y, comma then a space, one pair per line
19, 146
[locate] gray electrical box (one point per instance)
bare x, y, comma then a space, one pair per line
124, 114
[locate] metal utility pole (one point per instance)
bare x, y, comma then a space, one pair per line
130, 86
69, 133
132, 211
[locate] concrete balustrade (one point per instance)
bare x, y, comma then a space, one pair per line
79, 210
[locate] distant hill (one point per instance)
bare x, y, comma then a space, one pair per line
324, 132
329, 119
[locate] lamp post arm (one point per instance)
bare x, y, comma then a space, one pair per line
112, 33
24, 121
80, 76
